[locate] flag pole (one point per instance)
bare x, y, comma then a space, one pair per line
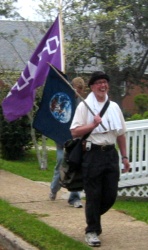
83, 100
62, 36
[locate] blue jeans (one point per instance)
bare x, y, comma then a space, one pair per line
55, 185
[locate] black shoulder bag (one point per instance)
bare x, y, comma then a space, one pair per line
70, 170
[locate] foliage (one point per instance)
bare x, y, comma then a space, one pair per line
8, 78
141, 101
15, 137
31, 229
145, 115
7, 8
136, 117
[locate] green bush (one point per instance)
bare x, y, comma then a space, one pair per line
141, 102
136, 117
145, 115
15, 137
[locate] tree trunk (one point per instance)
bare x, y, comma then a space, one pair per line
38, 152
44, 154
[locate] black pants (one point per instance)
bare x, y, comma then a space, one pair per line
101, 176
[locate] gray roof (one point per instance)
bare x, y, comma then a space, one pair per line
18, 40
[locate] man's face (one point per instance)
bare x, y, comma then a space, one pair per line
100, 89
79, 89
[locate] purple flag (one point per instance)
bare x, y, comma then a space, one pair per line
19, 100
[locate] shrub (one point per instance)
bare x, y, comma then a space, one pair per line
145, 115
136, 117
15, 137
141, 102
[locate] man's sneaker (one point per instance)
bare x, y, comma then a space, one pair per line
77, 204
92, 239
52, 196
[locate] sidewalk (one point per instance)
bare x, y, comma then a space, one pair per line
120, 232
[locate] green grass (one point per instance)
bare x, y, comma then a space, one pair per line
49, 143
34, 231
133, 207
28, 166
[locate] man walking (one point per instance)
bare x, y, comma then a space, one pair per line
100, 165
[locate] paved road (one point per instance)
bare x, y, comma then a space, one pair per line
120, 232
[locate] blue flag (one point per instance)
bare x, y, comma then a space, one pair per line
54, 117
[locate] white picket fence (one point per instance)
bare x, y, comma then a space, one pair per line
135, 182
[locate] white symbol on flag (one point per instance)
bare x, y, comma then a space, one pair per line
48, 47
32, 69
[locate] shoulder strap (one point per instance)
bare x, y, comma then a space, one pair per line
104, 108
101, 114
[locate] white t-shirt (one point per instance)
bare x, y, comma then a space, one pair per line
106, 138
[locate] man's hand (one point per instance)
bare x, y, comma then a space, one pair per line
97, 120
126, 165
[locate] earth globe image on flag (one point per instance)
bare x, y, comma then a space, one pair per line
60, 107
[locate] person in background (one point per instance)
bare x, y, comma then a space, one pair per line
100, 164
74, 197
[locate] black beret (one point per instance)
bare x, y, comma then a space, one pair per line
96, 76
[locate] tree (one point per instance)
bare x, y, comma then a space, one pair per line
109, 35
7, 9
100, 35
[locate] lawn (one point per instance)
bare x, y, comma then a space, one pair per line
137, 208
34, 231
28, 166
